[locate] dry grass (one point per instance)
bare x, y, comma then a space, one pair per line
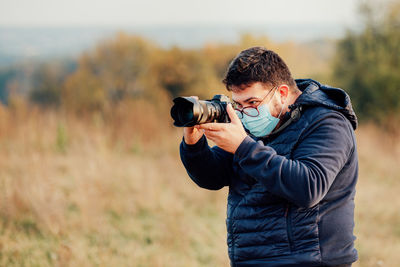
86, 192
378, 198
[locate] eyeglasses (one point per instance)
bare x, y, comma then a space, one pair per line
250, 111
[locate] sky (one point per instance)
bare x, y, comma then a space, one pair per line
54, 13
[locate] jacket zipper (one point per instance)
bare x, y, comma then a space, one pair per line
288, 217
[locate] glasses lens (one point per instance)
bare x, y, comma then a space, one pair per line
239, 113
250, 111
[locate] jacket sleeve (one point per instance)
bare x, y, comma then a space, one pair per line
306, 177
209, 168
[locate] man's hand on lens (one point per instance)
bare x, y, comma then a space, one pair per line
192, 135
227, 136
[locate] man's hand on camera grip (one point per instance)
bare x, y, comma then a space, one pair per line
227, 136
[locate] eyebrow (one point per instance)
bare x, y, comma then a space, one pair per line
247, 100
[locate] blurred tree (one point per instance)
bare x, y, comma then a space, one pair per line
47, 80
368, 63
17, 79
117, 68
5, 77
186, 72
83, 91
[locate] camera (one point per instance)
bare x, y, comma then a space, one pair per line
189, 111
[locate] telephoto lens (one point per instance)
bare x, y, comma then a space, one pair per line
189, 111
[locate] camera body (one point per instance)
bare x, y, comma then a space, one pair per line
189, 111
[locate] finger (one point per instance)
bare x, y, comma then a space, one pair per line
212, 135
211, 126
232, 115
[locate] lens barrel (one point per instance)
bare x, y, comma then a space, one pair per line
189, 111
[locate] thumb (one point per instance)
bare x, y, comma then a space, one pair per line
232, 114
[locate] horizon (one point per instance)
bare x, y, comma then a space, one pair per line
37, 42
15, 39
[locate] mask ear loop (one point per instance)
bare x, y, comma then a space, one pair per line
280, 113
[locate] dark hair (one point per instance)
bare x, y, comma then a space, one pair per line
257, 64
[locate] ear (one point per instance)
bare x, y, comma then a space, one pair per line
283, 92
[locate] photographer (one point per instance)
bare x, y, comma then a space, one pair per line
289, 158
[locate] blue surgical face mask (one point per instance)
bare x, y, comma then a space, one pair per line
263, 124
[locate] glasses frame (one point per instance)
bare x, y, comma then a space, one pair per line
242, 110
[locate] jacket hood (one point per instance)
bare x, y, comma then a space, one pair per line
316, 94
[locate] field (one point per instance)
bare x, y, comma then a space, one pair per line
86, 192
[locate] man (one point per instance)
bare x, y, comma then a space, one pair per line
289, 158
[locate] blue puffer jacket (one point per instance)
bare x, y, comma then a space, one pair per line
291, 194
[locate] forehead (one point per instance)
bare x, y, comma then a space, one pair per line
256, 90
